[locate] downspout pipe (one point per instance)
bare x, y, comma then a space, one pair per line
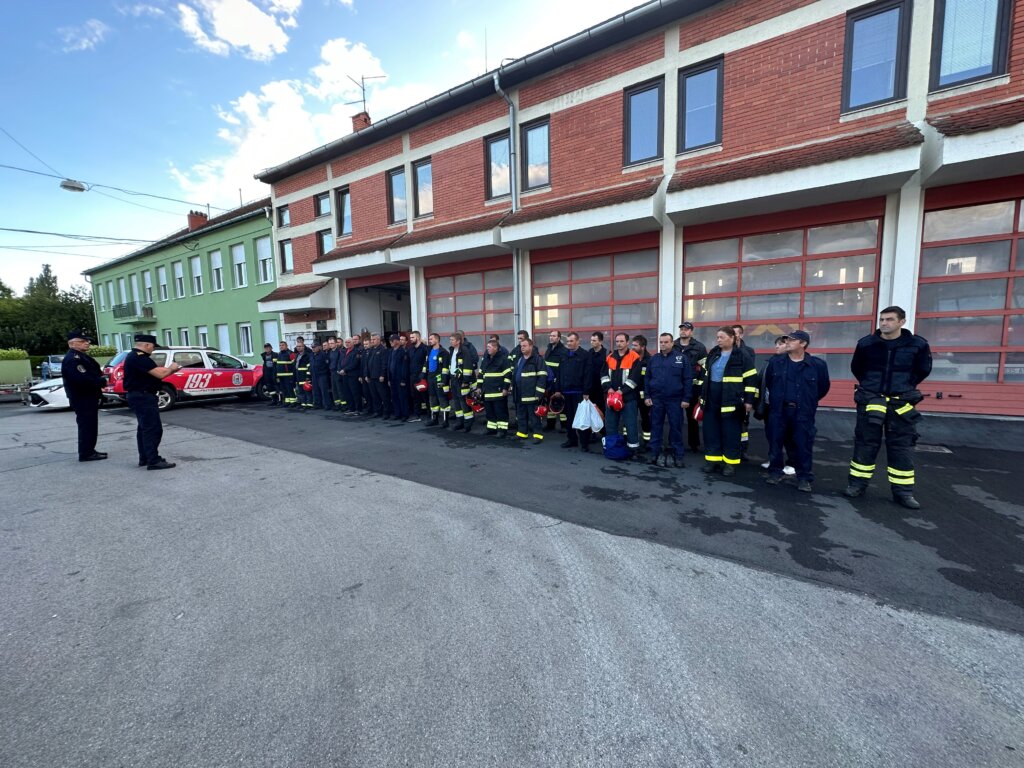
514, 186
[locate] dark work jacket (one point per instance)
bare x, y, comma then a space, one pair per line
530, 379
596, 364
285, 363
812, 385
376, 363
304, 366
417, 361
82, 377
334, 358
471, 354
495, 375
269, 364
398, 366
694, 350
364, 361
350, 362
466, 362
669, 377
739, 385
885, 369
321, 364
443, 374
553, 357
574, 373
622, 372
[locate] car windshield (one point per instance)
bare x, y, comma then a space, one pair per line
118, 358
223, 361
160, 358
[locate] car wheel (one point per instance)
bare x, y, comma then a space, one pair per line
261, 390
166, 397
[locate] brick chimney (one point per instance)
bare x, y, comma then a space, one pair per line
196, 219
360, 121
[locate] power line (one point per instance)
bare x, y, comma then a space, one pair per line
91, 185
111, 240
60, 253
29, 151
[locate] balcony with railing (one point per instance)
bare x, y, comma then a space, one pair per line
134, 313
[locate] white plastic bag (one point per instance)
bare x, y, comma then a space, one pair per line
596, 419
582, 418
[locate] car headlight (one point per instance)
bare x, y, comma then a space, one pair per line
54, 388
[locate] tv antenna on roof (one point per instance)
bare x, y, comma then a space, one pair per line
361, 83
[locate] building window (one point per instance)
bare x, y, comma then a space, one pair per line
970, 297
423, 186
168, 337
245, 339
270, 333
238, 265
700, 106
122, 289
284, 216
476, 303
536, 154
324, 242
161, 281
498, 181
179, 280
322, 204
184, 336
610, 293
216, 271
396, 196
100, 298
875, 65
344, 212
197, 275
643, 121
969, 41
287, 263
265, 259
203, 334
106, 339
223, 337
147, 285
820, 278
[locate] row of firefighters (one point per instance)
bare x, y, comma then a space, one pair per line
695, 390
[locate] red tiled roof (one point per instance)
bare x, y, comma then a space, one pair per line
358, 249
454, 229
853, 145
295, 291
976, 119
625, 193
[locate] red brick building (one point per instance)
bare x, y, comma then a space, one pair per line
779, 163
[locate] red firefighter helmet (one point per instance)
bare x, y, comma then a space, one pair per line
614, 401
541, 411
556, 403
307, 386
421, 385
473, 400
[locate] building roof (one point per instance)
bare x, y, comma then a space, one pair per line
358, 249
618, 29
454, 229
624, 193
891, 137
247, 211
298, 291
974, 119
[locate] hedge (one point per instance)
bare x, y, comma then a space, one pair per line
13, 354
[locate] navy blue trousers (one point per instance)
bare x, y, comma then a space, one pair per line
150, 430
792, 436
662, 408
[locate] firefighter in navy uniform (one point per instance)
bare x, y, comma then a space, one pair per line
639, 345
462, 366
530, 376
695, 351
303, 374
729, 384
270, 374
553, 357
496, 383
888, 365
437, 373
284, 375
574, 377
668, 389
83, 384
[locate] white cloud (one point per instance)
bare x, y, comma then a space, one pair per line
83, 38
140, 9
341, 60
219, 26
465, 40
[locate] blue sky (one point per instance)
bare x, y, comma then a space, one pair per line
187, 99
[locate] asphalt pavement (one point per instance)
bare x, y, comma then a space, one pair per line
426, 602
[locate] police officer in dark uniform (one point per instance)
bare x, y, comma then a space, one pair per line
142, 378
269, 373
888, 365
83, 384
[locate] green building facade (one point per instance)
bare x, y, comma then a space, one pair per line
196, 287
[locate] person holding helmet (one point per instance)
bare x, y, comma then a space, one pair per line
284, 373
417, 359
730, 383
495, 384
438, 376
553, 357
530, 384
621, 375
462, 365
574, 375
303, 376
668, 388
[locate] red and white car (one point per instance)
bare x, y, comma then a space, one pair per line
205, 372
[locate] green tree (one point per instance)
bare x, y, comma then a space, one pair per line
5, 291
39, 321
43, 286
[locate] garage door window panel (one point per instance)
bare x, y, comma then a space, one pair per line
714, 252
592, 318
771, 277
775, 245
969, 221
596, 267
845, 270
710, 310
769, 306
961, 331
458, 302
966, 259
592, 293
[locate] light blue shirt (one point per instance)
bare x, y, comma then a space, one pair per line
718, 367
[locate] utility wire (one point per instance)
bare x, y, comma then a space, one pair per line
78, 237
8, 135
63, 253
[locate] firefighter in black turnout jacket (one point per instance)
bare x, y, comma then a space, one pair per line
270, 374
888, 365
496, 383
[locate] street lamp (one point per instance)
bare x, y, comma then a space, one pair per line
71, 185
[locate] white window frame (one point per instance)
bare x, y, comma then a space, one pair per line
195, 267
203, 335
161, 279
185, 337
147, 286
100, 297
245, 339
216, 271
179, 279
265, 260
239, 269
168, 337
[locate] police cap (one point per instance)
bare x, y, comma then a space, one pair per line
78, 333
145, 337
